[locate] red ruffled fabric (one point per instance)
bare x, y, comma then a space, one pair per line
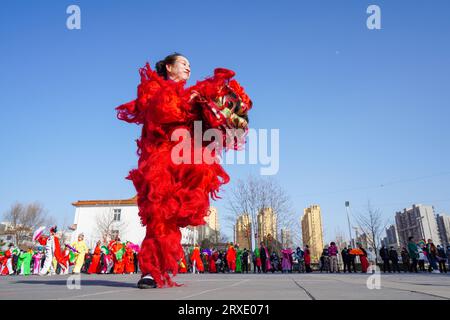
171, 195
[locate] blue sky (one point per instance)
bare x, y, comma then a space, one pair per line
356, 108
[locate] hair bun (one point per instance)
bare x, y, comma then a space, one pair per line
161, 68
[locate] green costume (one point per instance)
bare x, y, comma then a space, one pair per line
24, 262
238, 260
72, 257
256, 252
105, 250
120, 253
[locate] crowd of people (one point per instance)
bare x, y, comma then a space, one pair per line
233, 259
119, 257
50, 258
419, 256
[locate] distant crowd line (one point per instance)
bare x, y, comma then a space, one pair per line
117, 257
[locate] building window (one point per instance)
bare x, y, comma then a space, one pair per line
117, 213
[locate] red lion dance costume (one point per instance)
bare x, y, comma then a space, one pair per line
172, 195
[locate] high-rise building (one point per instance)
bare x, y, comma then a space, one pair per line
210, 230
212, 220
418, 222
267, 225
312, 231
443, 222
392, 238
243, 231
286, 238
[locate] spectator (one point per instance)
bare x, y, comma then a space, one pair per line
442, 259
307, 257
432, 256
384, 254
324, 260
363, 259
422, 258
245, 261
286, 263
346, 260
393, 256
351, 260
220, 266
299, 254
332, 254
405, 260
413, 252
264, 257
256, 260
275, 261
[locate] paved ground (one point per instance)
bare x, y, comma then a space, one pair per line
231, 286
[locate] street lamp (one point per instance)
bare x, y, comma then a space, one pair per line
347, 206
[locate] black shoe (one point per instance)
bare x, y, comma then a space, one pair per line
146, 283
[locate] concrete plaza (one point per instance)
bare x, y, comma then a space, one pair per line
295, 286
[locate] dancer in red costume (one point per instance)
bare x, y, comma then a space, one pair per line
170, 194
118, 250
129, 260
231, 257
196, 260
212, 261
94, 267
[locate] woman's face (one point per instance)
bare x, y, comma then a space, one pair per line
180, 70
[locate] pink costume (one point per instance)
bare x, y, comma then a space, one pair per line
37, 263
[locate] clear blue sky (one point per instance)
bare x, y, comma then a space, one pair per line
356, 108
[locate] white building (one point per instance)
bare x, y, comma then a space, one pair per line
97, 218
5, 236
419, 221
443, 222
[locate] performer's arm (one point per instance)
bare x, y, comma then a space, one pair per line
157, 100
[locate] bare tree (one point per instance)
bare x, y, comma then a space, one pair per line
64, 233
372, 224
24, 219
13, 216
340, 238
109, 224
35, 216
255, 195
296, 230
223, 238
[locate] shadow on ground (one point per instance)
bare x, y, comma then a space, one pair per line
83, 282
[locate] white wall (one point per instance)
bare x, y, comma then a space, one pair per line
429, 223
86, 221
